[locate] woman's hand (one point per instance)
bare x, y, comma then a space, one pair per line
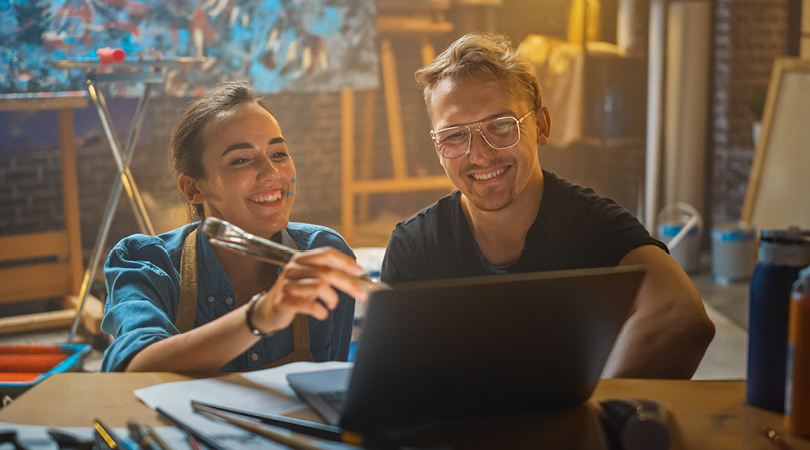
310, 276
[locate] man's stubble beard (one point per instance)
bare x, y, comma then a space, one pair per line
503, 201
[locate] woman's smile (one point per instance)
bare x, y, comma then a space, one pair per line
267, 198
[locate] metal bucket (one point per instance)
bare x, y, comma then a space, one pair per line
679, 227
734, 252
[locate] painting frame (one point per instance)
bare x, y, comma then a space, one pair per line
773, 195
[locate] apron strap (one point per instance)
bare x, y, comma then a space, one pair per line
301, 352
300, 330
187, 309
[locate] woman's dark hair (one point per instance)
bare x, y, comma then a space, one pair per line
187, 143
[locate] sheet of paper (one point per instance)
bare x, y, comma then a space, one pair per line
263, 390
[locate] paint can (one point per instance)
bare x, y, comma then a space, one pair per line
679, 227
734, 252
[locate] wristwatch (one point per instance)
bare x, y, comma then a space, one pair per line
249, 317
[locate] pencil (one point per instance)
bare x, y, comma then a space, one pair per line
202, 437
313, 429
138, 434
290, 440
192, 442
109, 436
156, 438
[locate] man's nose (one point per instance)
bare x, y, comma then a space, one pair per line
480, 149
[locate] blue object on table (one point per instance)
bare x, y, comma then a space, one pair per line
782, 254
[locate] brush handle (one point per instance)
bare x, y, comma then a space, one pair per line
226, 235
272, 249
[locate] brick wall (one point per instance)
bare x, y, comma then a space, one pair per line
30, 192
748, 35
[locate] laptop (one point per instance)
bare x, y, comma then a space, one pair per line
472, 347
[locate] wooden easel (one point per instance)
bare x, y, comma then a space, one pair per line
62, 278
421, 23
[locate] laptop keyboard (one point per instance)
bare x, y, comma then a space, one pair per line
336, 399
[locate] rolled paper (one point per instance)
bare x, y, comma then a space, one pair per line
689, 30
109, 55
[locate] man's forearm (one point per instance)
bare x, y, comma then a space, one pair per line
668, 331
643, 351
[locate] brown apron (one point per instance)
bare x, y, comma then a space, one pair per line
187, 308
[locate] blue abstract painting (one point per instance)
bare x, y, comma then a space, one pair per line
281, 45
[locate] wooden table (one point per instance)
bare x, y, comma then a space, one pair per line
703, 414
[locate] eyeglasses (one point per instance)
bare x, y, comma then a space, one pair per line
499, 133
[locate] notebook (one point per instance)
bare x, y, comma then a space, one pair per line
473, 347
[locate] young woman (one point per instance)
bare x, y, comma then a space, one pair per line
178, 304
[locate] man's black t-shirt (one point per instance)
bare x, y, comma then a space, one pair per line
575, 229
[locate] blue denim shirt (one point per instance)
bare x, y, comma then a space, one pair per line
143, 282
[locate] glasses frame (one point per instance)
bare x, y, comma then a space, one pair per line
477, 126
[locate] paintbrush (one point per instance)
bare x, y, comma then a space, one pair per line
233, 238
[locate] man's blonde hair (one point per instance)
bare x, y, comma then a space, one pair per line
488, 54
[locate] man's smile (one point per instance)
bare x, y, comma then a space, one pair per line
488, 175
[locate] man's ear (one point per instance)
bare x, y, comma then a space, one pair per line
543, 125
190, 188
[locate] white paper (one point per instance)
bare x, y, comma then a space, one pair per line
263, 390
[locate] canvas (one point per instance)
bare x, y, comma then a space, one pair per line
282, 46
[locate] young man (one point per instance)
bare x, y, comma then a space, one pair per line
511, 216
